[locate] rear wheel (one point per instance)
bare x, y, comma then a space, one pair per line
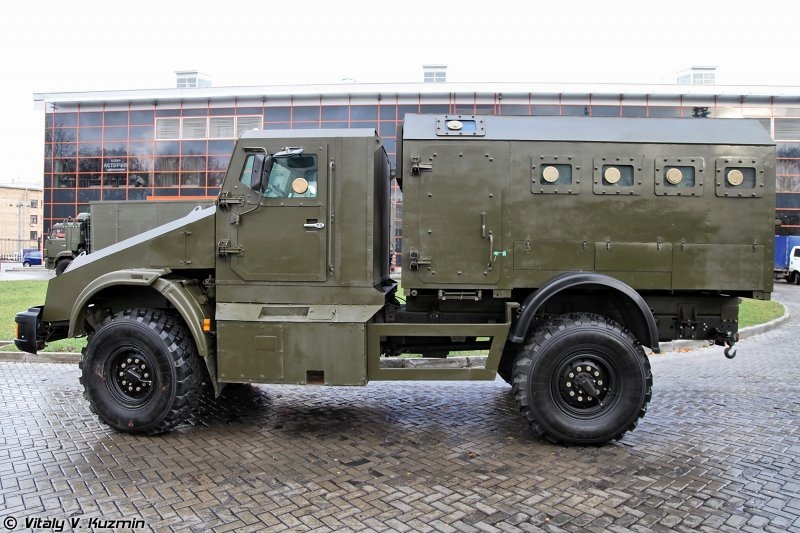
141, 372
582, 379
795, 278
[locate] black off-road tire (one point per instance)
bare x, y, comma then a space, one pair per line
130, 349
62, 265
570, 355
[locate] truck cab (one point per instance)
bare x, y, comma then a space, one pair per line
787, 258
66, 241
793, 274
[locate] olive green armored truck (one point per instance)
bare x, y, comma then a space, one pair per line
559, 247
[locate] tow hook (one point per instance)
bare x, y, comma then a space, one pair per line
727, 351
727, 340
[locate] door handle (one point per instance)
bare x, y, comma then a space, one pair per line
491, 248
314, 225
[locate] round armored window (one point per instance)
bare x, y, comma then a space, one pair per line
612, 175
550, 174
674, 176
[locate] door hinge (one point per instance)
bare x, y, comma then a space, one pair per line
416, 261
227, 198
225, 248
417, 166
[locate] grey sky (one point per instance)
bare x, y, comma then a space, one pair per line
101, 45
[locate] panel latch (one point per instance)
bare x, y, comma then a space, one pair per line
416, 261
417, 166
227, 198
225, 248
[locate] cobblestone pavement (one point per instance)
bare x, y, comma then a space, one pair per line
718, 450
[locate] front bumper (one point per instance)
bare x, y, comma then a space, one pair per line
28, 323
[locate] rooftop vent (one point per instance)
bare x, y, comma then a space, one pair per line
191, 79
434, 73
698, 76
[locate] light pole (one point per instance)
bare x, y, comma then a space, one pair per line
20, 205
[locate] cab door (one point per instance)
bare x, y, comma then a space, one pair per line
277, 228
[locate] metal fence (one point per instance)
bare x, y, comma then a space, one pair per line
14, 249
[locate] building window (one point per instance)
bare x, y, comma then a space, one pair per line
194, 128
34, 203
787, 129
220, 128
244, 124
168, 128
34, 235
34, 220
205, 127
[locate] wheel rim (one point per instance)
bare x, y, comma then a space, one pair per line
132, 379
585, 383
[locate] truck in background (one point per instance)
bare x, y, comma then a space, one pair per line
107, 223
787, 258
66, 241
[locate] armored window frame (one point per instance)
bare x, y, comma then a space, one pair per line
282, 175
443, 129
725, 164
539, 184
662, 185
601, 188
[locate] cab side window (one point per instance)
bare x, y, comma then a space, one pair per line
247, 172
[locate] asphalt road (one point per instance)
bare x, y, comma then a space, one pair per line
15, 271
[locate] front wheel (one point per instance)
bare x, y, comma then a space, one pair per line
141, 372
795, 278
26, 264
582, 379
62, 265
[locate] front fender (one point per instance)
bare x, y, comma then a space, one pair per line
185, 298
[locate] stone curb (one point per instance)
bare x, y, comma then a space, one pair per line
393, 362
32, 268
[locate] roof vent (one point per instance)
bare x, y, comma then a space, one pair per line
434, 73
698, 76
191, 79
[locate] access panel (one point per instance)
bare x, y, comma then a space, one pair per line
457, 190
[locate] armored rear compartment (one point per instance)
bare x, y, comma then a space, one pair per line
504, 203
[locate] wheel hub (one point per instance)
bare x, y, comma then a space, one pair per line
584, 384
133, 375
